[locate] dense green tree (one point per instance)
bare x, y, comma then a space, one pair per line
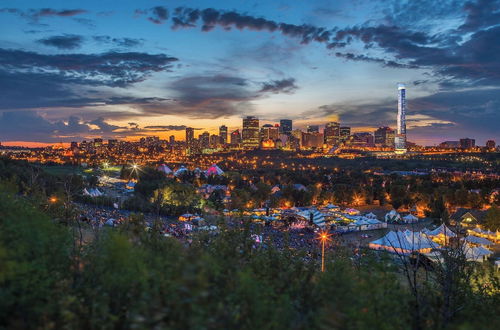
492, 218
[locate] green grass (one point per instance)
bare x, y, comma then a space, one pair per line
62, 170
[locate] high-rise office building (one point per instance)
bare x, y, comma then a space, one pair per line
332, 134
235, 138
269, 132
171, 139
313, 129
250, 132
400, 139
190, 143
490, 144
297, 134
204, 139
223, 134
312, 139
215, 141
467, 143
345, 131
286, 126
384, 137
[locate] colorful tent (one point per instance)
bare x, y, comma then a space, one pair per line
392, 216
92, 192
410, 218
441, 230
214, 170
317, 217
478, 240
404, 242
181, 171
165, 169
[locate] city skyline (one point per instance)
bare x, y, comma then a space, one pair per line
73, 71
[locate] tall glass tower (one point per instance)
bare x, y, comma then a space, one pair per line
400, 139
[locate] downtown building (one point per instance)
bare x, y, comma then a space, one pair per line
286, 126
400, 139
223, 135
332, 134
384, 137
250, 133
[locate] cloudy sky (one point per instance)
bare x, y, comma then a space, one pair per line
71, 70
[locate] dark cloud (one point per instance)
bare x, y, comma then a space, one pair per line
36, 14
30, 126
481, 14
167, 127
106, 69
119, 42
471, 63
383, 62
286, 86
211, 18
67, 41
159, 15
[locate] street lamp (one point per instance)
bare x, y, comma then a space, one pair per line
324, 237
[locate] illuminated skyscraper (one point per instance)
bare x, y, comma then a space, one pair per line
223, 134
400, 139
345, 131
332, 134
313, 129
286, 126
250, 132
190, 139
235, 139
384, 137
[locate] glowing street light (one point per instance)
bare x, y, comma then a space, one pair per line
52, 199
324, 237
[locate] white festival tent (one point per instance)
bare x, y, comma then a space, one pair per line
165, 169
317, 217
392, 216
441, 230
478, 254
404, 242
181, 171
410, 218
92, 192
371, 216
478, 240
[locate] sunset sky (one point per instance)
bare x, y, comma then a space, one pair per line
71, 70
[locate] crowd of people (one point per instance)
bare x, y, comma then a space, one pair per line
276, 234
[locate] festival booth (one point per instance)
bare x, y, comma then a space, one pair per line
392, 216
404, 242
371, 216
351, 211
164, 169
181, 171
478, 241
92, 192
317, 217
186, 217
477, 254
410, 218
440, 235
214, 170
493, 236
130, 185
